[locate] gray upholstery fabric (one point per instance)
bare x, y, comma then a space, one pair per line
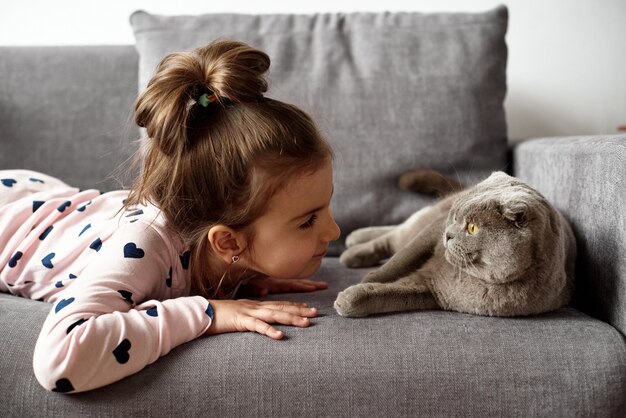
391, 91
585, 177
65, 111
430, 363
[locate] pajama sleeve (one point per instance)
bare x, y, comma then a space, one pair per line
112, 321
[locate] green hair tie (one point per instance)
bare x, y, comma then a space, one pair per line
206, 99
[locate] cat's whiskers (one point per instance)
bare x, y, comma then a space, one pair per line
456, 172
470, 267
460, 269
466, 265
473, 267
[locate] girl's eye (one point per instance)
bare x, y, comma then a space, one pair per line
472, 228
309, 223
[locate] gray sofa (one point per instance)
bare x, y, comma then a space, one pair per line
392, 92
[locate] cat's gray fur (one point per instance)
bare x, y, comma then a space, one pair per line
520, 262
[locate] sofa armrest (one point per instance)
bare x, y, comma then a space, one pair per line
585, 178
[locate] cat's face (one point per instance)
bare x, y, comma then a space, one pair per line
491, 240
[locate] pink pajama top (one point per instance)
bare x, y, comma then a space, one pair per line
118, 280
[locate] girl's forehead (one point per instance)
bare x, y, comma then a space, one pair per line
304, 192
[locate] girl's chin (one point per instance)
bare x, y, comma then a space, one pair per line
317, 263
312, 268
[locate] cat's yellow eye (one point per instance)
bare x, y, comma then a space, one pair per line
472, 228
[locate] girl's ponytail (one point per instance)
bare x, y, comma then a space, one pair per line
188, 83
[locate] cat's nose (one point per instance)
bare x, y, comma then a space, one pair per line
448, 237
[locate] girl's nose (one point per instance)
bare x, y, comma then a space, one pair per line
332, 231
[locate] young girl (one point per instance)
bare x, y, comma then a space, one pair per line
235, 188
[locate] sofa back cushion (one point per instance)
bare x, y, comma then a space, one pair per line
67, 112
391, 92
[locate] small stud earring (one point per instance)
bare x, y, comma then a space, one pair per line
235, 258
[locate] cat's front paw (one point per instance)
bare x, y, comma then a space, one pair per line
358, 256
373, 277
370, 233
351, 302
356, 237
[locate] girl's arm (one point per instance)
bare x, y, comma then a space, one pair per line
122, 314
112, 321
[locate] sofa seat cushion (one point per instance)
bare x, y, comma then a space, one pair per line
428, 363
391, 91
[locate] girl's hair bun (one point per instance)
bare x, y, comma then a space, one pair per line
234, 70
228, 72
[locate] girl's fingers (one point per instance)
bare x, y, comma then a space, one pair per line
256, 316
286, 318
283, 305
264, 286
263, 328
262, 292
260, 314
301, 285
266, 303
316, 284
289, 309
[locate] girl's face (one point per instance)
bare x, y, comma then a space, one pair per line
292, 237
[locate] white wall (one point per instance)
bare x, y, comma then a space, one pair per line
567, 58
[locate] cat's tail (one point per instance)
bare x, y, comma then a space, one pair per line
429, 182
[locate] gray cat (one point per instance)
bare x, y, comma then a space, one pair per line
497, 248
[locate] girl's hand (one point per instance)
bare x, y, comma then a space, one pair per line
263, 286
256, 316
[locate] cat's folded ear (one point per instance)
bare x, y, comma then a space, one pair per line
515, 212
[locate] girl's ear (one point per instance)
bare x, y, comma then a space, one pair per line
226, 242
